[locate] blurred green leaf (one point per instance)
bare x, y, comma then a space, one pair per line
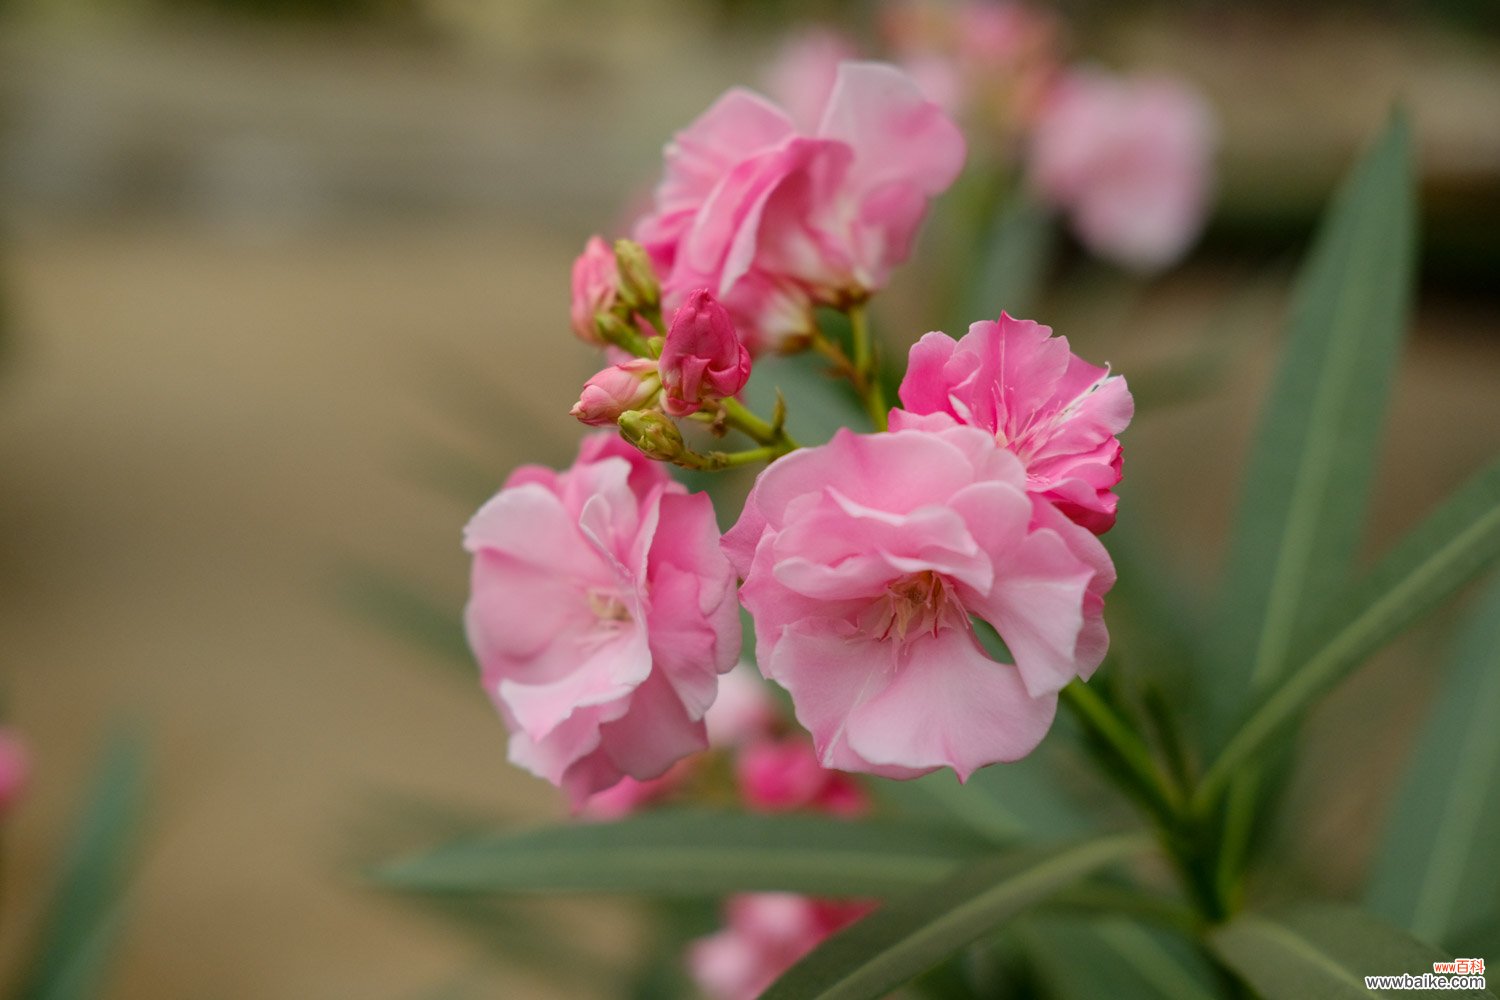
687, 853
1307, 481
403, 610
908, 935
75, 938
1014, 254
1449, 548
1438, 870
1117, 958
818, 403
1322, 950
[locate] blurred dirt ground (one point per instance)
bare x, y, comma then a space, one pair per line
278, 306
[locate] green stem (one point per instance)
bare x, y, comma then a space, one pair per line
764, 432
868, 382
714, 461
1128, 750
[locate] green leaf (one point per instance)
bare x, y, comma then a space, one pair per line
911, 934
1438, 870
1322, 950
1013, 258
1447, 550
69, 958
693, 854
1119, 959
1307, 481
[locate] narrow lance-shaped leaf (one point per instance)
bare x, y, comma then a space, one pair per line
1119, 959
1438, 871
1447, 550
696, 854
1012, 263
1323, 950
70, 954
908, 935
1307, 482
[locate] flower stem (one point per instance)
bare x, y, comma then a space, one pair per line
772, 434
1128, 749
867, 382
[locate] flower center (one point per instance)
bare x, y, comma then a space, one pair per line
917, 604
608, 609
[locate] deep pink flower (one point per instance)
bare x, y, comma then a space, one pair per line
1056, 412
702, 357
15, 767
601, 613
627, 386
772, 219
766, 934
783, 775
864, 560
1131, 162
596, 284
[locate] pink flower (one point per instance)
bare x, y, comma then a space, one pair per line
629, 795
767, 933
1130, 160
596, 284
702, 358
786, 775
15, 767
864, 560
601, 613
627, 386
1056, 412
772, 219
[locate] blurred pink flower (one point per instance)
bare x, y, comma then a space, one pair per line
629, 795
702, 357
1130, 160
743, 711
15, 767
863, 562
1056, 412
783, 775
772, 220
766, 934
596, 283
803, 73
601, 612
627, 386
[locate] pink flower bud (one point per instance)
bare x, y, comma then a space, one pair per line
615, 390
786, 775
702, 358
596, 285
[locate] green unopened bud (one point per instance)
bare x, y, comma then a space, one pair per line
654, 433
639, 289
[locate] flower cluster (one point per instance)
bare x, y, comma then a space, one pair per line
883, 570
1127, 159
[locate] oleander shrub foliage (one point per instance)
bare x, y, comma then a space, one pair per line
927, 767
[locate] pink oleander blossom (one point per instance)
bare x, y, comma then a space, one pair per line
1130, 160
773, 219
864, 560
601, 612
702, 358
1056, 412
743, 712
766, 933
785, 775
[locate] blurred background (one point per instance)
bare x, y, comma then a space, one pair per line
283, 292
